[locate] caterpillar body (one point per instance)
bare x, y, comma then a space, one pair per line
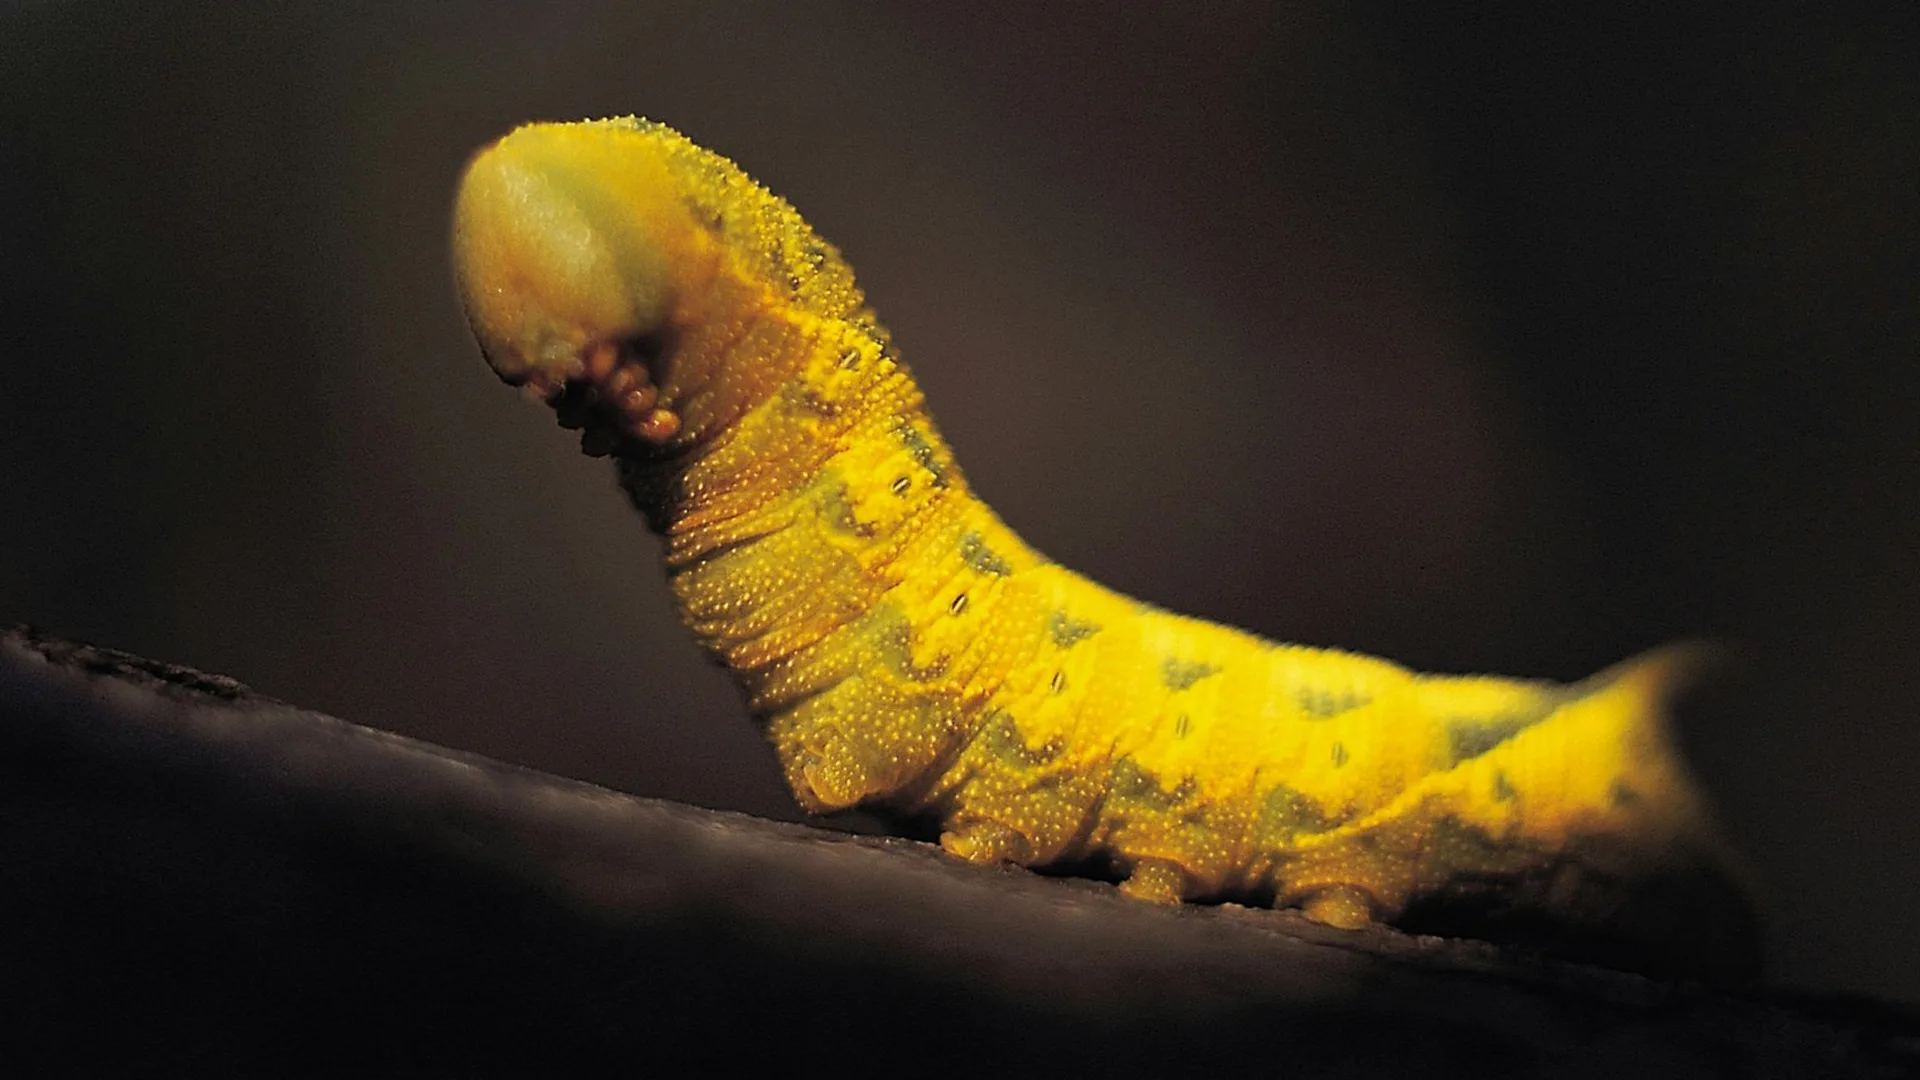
905, 649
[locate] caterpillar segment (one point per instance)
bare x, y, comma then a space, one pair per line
905, 649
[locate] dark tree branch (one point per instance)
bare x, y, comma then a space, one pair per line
194, 875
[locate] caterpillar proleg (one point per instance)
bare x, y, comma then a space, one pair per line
905, 649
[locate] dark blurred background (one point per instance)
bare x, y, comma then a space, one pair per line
1517, 342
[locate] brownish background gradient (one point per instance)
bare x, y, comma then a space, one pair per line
1516, 343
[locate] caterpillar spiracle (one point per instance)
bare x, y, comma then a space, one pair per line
906, 650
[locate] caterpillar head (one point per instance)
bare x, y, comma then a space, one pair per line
572, 254
585, 251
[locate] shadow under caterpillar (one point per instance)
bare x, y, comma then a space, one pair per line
905, 649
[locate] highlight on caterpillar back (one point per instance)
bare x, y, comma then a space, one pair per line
907, 651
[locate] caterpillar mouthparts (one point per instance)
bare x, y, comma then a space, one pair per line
608, 395
906, 650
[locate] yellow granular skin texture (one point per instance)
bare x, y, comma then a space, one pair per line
906, 649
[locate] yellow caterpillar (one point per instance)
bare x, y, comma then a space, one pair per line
906, 650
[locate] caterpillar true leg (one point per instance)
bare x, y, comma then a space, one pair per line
607, 394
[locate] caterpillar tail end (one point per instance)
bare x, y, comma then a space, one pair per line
1661, 675
1628, 709
1688, 898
